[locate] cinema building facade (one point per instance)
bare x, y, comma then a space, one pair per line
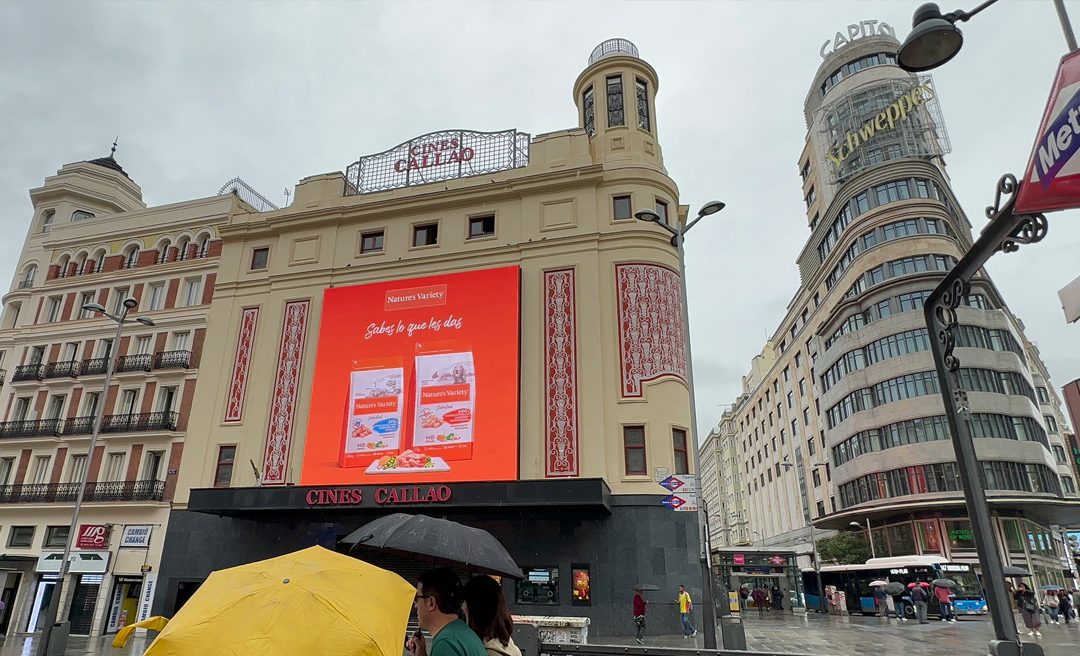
469, 325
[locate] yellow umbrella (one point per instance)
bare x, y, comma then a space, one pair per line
313, 601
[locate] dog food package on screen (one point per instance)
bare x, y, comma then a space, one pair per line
445, 404
373, 415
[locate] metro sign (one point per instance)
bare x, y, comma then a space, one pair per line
681, 482
1052, 178
674, 502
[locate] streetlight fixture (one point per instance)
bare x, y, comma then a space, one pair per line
869, 536
935, 38
678, 236
121, 320
929, 45
816, 562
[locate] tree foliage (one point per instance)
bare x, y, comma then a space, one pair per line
844, 549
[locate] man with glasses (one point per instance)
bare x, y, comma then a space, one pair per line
437, 604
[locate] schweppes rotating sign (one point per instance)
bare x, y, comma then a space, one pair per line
1052, 179
889, 118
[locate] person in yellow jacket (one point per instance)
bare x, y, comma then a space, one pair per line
686, 607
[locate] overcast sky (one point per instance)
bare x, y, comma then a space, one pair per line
275, 91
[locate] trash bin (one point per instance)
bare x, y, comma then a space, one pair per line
732, 633
59, 639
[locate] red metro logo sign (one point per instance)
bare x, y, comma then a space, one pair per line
1052, 179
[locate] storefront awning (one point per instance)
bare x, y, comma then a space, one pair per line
586, 494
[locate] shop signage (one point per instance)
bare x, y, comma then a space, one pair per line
961, 535
146, 600
887, 119
777, 560
856, 31
439, 156
1052, 179
136, 535
955, 568
93, 536
738, 559
757, 570
383, 496
82, 562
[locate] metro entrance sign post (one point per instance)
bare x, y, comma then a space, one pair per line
1052, 178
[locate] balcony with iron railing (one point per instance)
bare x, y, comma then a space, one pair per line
126, 423
30, 428
26, 283
66, 369
172, 360
148, 490
140, 362
94, 366
28, 372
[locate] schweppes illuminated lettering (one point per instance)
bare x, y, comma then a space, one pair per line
886, 120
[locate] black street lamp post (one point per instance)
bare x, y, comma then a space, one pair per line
934, 40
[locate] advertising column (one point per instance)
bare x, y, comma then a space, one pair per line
416, 380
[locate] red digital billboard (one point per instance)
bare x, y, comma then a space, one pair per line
416, 380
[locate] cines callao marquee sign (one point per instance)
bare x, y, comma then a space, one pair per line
893, 115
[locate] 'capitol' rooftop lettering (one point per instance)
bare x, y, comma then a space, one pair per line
857, 31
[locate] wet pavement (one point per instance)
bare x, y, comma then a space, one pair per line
828, 635
27, 646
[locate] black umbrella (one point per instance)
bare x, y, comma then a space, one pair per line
944, 583
438, 541
1012, 571
894, 588
646, 587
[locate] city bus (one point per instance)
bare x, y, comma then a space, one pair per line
854, 582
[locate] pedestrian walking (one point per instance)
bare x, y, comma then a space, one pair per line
1051, 602
686, 608
639, 616
759, 597
488, 616
437, 605
879, 601
1029, 608
944, 598
1065, 607
744, 594
919, 598
900, 607
777, 598
1075, 594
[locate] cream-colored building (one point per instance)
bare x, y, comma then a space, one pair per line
603, 406
721, 484
840, 421
92, 239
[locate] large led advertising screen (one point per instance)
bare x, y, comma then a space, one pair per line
416, 380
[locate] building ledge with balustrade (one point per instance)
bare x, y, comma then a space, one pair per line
96, 492
121, 423
97, 366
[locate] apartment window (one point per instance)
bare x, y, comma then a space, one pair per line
817, 478
56, 537
1044, 396
81, 215
41, 469
7, 467
621, 208
55, 409
47, 220
76, 468
1068, 485
481, 226
1059, 455
180, 341
21, 536
820, 508
90, 403
114, 467
661, 211
798, 360
634, 450
371, 242
224, 469
167, 398
152, 465
775, 387
787, 374
156, 296
84, 299
259, 258
615, 112
1051, 424
53, 313
806, 416
588, 104
142, 345
192, 287
642, 94
22, 408
791, 399
119, 295
104, 348
132, 259
810, 448
425, 235
810, 197
682, 459
129, 402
